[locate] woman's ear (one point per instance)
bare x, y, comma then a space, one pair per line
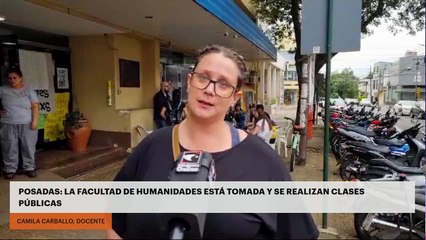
188, 84
237, 97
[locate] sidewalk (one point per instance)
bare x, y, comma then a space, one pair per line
313, 171
49, 163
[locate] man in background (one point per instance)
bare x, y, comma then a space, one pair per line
160, 100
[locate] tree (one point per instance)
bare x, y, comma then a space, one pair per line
283, 20
344, 84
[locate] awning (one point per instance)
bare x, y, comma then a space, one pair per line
233, 16
170, 22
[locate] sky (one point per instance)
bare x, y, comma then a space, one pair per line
382, 45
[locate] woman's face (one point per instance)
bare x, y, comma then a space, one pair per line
15, 81
205, 104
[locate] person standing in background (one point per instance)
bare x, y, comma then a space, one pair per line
19, 117
172, 113
240, 116
160, 100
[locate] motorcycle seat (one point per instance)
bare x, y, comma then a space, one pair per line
350, 121
369, 146
362, 131
400, 169
390, 142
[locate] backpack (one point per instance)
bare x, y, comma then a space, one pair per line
175, 113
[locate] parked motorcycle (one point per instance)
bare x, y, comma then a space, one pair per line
395, 225
367, 161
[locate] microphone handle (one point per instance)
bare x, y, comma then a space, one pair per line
177, 231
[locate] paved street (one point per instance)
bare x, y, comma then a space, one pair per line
406, 122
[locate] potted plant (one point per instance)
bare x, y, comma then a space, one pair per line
77, 130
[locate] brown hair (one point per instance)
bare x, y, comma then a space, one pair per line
263, 115
13, 69
229, 53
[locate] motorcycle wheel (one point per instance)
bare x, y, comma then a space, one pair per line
358, 220
345, 164
334, 146
376, 232
341, 152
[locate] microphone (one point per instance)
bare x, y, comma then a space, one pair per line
190, 166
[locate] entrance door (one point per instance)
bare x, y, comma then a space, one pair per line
8, 55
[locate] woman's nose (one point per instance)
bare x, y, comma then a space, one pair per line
210, 88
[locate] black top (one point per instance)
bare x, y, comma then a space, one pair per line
251, 160
159, 102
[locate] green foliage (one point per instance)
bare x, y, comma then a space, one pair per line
273, 101
360, 97
283, 18
72, 119
344, 84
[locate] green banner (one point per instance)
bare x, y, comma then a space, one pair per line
41, 121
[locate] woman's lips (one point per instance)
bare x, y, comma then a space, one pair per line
205, 104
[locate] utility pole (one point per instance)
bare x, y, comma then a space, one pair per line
370, 76
416, 95
303, 117
327, 100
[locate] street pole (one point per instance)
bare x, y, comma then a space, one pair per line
327, 99
371, 85
415, 80
303, 117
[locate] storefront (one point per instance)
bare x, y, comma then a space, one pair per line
44, 59
111, 65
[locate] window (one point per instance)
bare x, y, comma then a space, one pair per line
129, 73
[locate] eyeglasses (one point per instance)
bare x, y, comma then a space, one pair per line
221, 88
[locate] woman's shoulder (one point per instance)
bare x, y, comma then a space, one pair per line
159, 134
152, 148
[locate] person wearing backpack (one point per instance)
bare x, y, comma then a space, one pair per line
172, 112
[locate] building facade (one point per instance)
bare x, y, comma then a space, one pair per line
291, 85
405, 79
107, 58
378, 81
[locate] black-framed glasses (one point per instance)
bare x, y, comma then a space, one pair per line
221, 87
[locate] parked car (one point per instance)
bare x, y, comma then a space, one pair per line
365, 102
403, 107
351, 100
336, 103
418, 110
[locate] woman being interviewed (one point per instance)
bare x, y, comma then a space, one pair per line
213, 87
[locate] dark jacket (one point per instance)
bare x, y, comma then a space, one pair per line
160, 101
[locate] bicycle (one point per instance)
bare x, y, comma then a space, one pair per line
295, 150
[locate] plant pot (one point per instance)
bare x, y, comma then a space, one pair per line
78, 138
